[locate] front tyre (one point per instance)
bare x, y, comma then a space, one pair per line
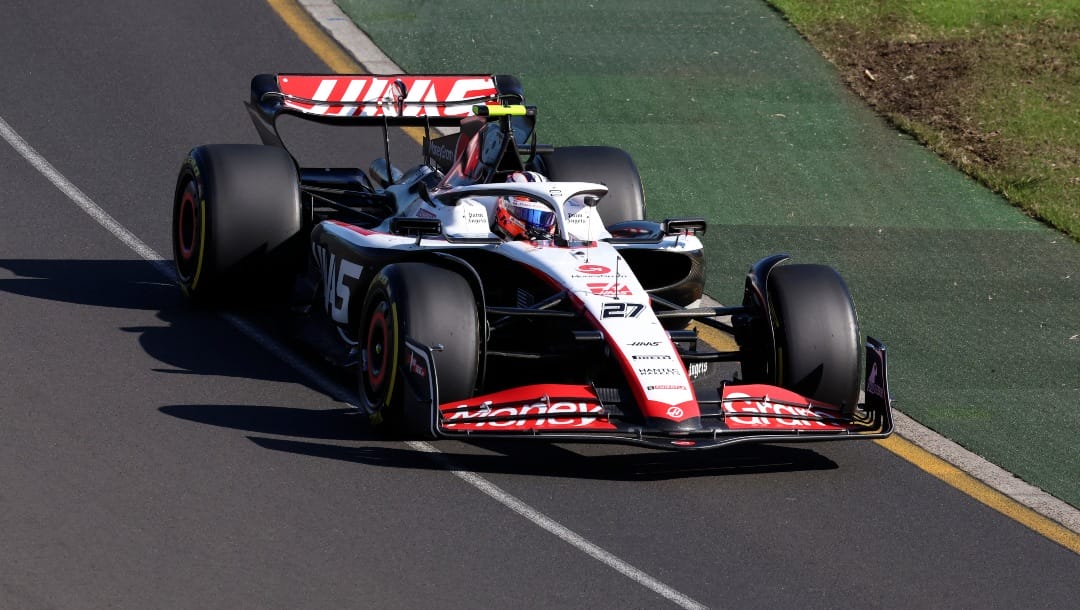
816, 334
432, 306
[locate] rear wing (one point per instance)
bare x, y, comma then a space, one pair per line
385, 100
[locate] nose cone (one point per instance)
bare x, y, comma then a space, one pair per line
690, 424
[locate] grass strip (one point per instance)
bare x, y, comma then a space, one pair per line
992, 87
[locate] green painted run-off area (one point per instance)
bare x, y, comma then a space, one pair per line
731, 115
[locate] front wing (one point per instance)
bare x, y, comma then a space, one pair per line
735, 414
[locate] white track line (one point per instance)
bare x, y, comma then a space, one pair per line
334, 389
85, 203
564, 533
339, 26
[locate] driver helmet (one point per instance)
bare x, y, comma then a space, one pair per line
519, 217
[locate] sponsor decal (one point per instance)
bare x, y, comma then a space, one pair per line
669, 386
698, 369
374, 96
652, 357
606, 289
340, 278
441, 153
621, 310
872, 384
747, 412
573, 206
425, 213
594, 271
674, 412
533, 415
645, 344
416, 366
659, 371
477, 218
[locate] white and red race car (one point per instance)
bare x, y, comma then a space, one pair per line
581, 324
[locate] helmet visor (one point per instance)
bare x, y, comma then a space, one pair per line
535, 220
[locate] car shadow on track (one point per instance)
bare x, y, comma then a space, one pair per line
190, 340
124, 284
366, 445
325, 424
195, 342
538, 458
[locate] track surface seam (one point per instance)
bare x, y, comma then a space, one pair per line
352, 39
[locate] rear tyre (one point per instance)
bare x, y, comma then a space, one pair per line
817, 334
612, 167
236, 224
432, 306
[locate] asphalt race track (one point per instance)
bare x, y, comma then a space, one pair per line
156, 456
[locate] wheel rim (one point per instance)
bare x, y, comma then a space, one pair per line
379, 352
188, 233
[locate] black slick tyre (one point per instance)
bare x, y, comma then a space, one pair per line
236, 224
433, 306
816, 334
605, 165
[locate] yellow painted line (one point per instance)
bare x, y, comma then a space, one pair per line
341, 62
309, 32
329, 51
943, 470
982, 492
720, 340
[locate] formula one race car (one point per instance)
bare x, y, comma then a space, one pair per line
505, 288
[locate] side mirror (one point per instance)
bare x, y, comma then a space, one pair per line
683, 226
425, 193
